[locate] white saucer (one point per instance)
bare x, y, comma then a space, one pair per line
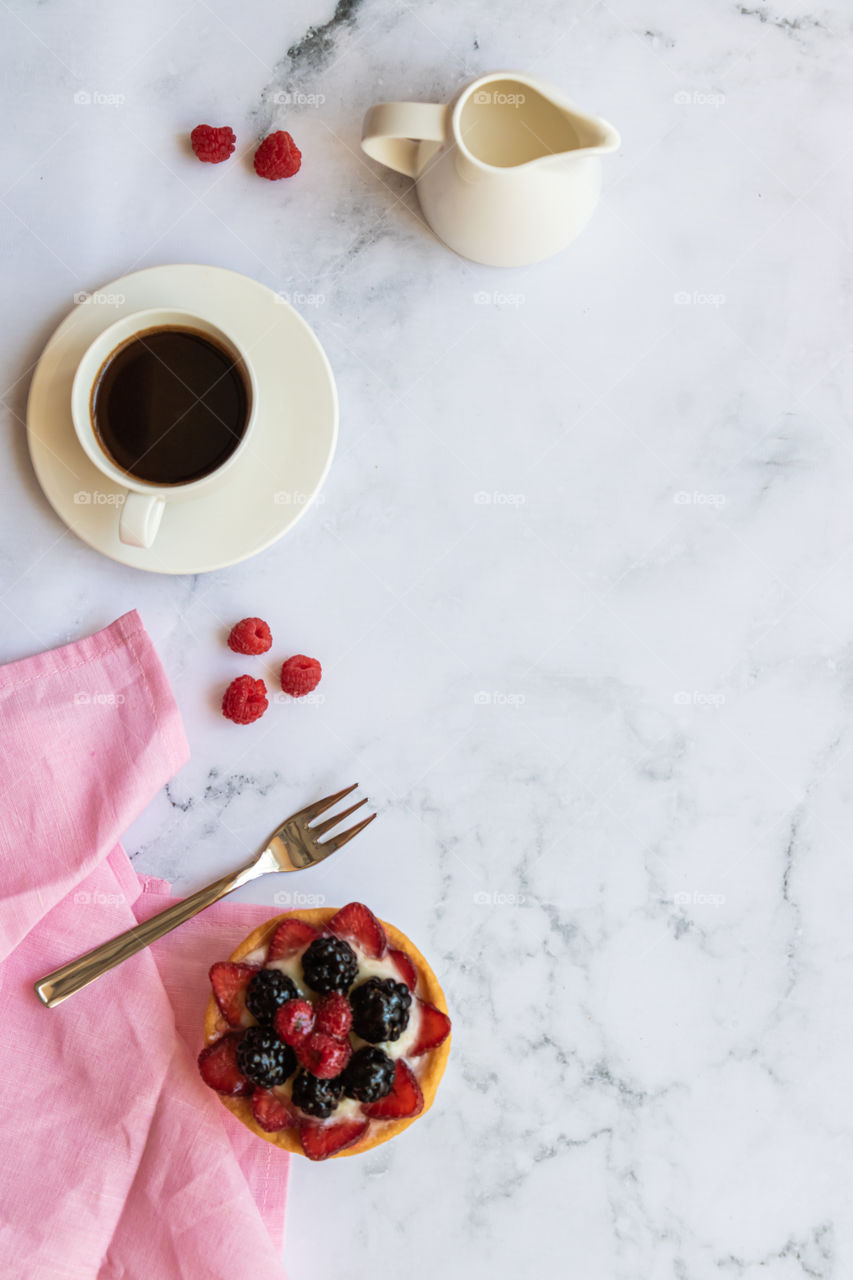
277, 477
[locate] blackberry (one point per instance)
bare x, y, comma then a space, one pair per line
264, 1058
317, 1097
369, 1075
380, 1009
267, 992
329, 964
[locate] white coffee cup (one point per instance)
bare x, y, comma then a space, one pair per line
144, 502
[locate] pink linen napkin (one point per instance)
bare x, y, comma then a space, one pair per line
118, 1161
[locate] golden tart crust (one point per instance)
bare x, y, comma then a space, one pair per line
434, 1061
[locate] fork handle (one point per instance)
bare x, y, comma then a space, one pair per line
71, 977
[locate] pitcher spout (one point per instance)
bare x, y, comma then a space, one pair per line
593, 136
508, 121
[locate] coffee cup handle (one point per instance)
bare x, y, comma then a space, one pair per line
392, 132
141, 514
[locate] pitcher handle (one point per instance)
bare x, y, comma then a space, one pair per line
392, 131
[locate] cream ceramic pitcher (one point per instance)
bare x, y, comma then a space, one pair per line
507, 174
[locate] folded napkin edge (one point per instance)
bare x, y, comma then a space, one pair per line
74, 654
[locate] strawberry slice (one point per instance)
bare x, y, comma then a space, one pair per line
405, 968
218, 1066
290, 936
271, 1112
322, 1140
433, 1030
356, 923
229, 982
405, 1098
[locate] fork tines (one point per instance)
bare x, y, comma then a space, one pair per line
313, 811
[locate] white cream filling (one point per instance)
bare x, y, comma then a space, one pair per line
292, 966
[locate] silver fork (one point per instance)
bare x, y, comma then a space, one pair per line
292, 846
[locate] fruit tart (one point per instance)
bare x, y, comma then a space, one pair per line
327, 1032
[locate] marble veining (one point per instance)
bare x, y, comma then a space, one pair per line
579, 580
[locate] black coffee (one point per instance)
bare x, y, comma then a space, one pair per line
170, 406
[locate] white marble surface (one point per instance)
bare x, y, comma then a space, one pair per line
630, 862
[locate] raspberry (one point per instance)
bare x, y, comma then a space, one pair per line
322, 1055
245, 700
252, 635
277, 157
212, 145
294, 1021
333, 1015
299, 675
